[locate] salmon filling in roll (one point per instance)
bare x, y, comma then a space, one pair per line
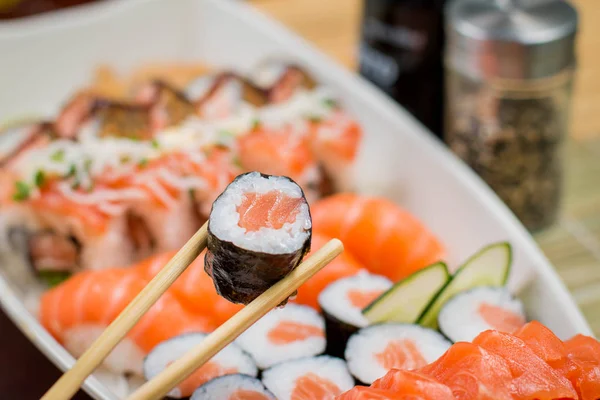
259, 231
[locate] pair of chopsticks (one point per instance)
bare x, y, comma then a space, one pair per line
159, 386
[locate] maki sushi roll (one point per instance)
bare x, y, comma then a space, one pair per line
284, 334
373, 351
342, 303
321, 377
231, 360
259, 230
233, 387
469, 313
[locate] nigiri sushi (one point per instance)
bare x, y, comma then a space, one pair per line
386, 239
78, 310
259, 230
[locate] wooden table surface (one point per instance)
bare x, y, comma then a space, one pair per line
573, 244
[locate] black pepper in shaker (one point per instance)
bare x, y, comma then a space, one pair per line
509, 71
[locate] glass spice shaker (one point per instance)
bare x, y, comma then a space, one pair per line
509, 70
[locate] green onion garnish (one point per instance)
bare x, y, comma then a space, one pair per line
39, 178
22, 191
58, 156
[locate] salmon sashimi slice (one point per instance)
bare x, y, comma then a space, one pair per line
267, 210
584, 352
533, 378
472, 373
342, 266
287, 332
499, 318
89, 297
410, 383
205, 373
386, 239
401, 354
370, 393
313, 387
547, 346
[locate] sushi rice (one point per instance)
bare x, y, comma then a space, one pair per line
469, 313
231, 360
284, 334
233, 387
373, 351
342, 303
322, 377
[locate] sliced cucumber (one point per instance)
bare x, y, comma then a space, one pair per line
405, 301
488, 267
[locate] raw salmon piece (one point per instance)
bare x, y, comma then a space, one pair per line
583, 348
287, 332
386, 239
547, 346
410, 383
313, 387
96, 298
532, 377
88, 298
370, 393
342, 266
472, 373
584, 352
267, 210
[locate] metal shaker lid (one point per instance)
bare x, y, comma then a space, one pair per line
510, 39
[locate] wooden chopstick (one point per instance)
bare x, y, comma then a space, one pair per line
69, 383
161, 384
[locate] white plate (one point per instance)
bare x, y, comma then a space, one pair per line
46, 58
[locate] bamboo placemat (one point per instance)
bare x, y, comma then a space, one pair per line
573, 244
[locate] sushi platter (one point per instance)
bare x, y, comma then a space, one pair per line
113, 155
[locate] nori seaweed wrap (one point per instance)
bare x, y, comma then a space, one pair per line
259, 230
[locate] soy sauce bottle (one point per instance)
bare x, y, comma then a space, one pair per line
401, 51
